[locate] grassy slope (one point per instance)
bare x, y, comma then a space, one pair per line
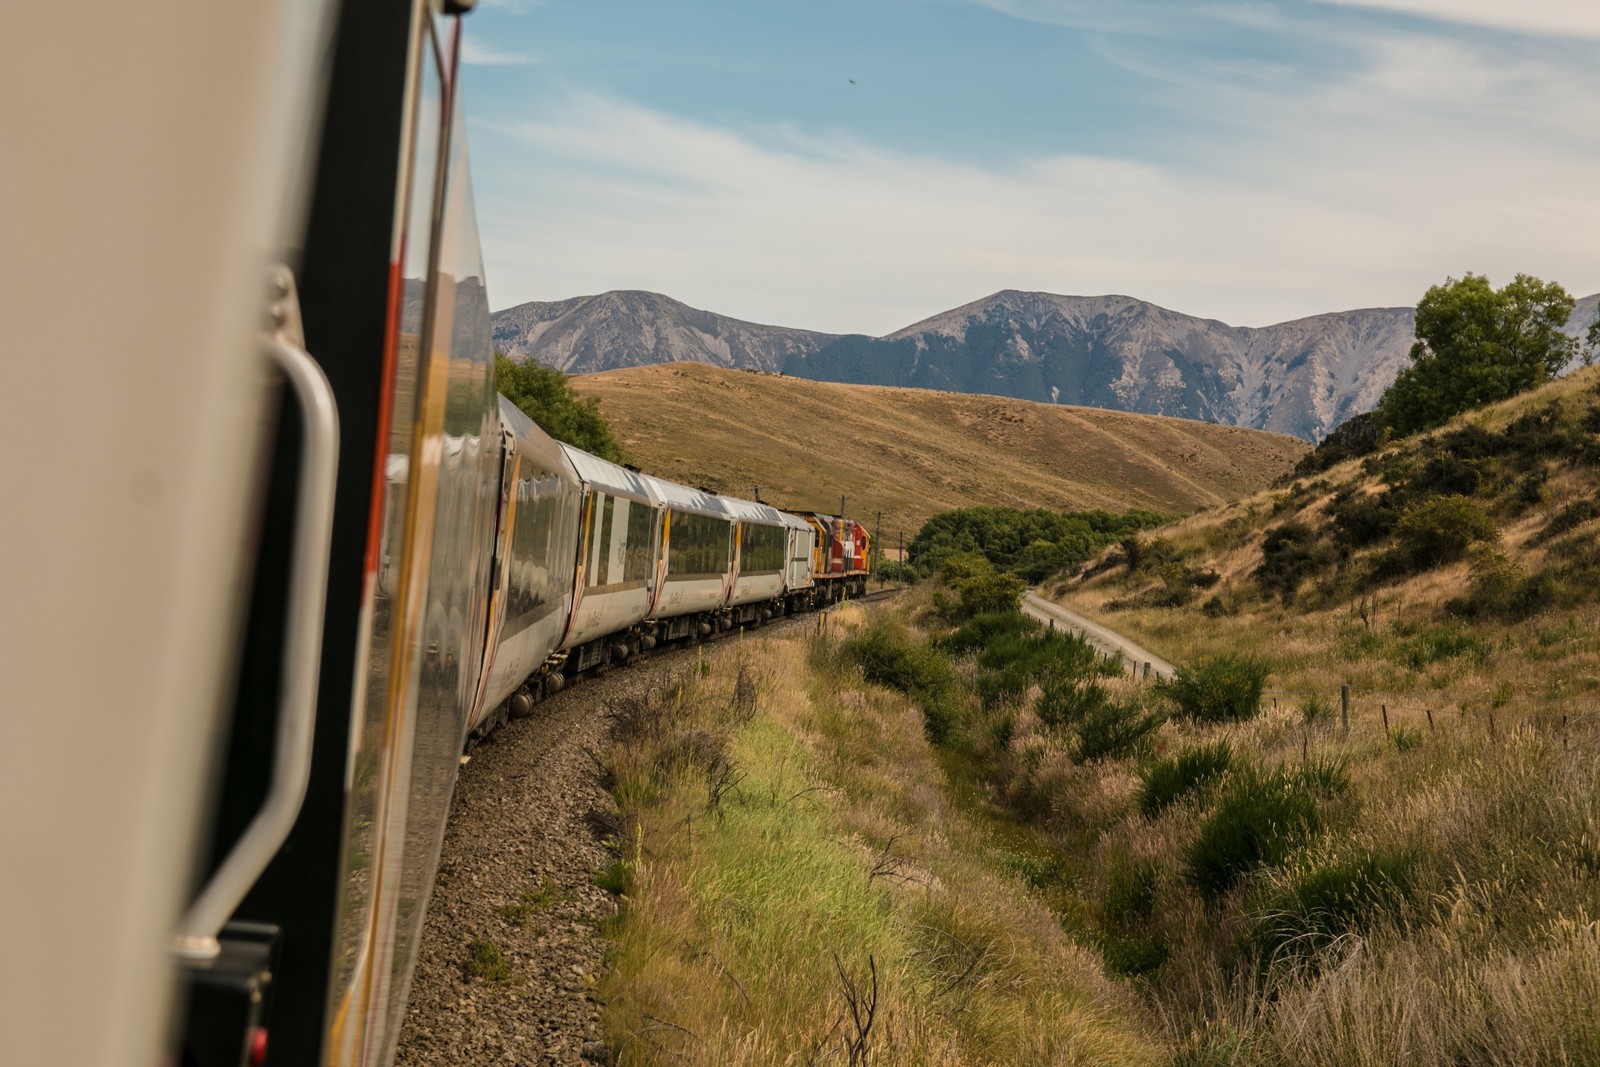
1491, 954
1410, 649
834, 853
911, 453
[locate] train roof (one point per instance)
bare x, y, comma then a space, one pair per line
683, 498
608, 476
753, 511
532, 441
790, 519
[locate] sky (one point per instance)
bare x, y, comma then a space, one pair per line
856, 166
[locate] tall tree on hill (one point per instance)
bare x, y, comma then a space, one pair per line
543, 395
1476, 345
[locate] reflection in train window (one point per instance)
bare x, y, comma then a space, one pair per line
698, 544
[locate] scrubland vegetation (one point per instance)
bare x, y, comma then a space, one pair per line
798, 887
937, 833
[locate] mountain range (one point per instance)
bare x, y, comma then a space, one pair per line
1302, 377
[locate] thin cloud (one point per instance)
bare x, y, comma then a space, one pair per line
1578, 18
1305, 219
481, 55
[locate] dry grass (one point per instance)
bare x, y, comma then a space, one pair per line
834, 885
1483, 791
911, 452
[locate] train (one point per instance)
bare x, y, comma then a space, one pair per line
594, 563
274, 548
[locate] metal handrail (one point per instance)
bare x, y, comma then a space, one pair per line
196, 937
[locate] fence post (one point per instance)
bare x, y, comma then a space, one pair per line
1491, 722
1563, 733
1147, 670
1384, 708
1430, 719
1344, 708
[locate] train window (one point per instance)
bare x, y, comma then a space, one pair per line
762, 548
600, 545
698, 544
639, 554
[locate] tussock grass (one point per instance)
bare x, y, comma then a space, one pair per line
1422, 891
833, 906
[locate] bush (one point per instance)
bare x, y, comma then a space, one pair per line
1441, 529
1224, 688
1014, 661
1360, 519
1357, 436
1260, 817
1166, 781
1032, 544
1130, 896
1290, 554
485, 960
1499, 590
543, 394
1114, 731
890, 657
979, 588
1319, 903
1132, 955
981, 630
1067, 699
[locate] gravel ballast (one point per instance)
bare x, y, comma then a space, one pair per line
523, 844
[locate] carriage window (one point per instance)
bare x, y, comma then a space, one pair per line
640, 555
698, 544
762, 548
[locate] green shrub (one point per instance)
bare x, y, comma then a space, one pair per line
1499, 589
1319, 903
1441, 529
1066, 699
613, 877
1165, 781
1315, 709
1147, 554
890, 657
980, 630
1356, 437
1259, 818
1013, 661
1290, 554
1130, 896
989, 593
1360, 519
1114, 731
1225, 688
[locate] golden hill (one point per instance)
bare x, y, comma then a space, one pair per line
911, 453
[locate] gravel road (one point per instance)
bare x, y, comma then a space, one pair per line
1105, 640
520, 852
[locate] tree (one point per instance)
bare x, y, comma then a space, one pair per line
1476, 345
542, 394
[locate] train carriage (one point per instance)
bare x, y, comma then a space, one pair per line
799, 584
619, 552
696, 566
761, 558
541, 502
